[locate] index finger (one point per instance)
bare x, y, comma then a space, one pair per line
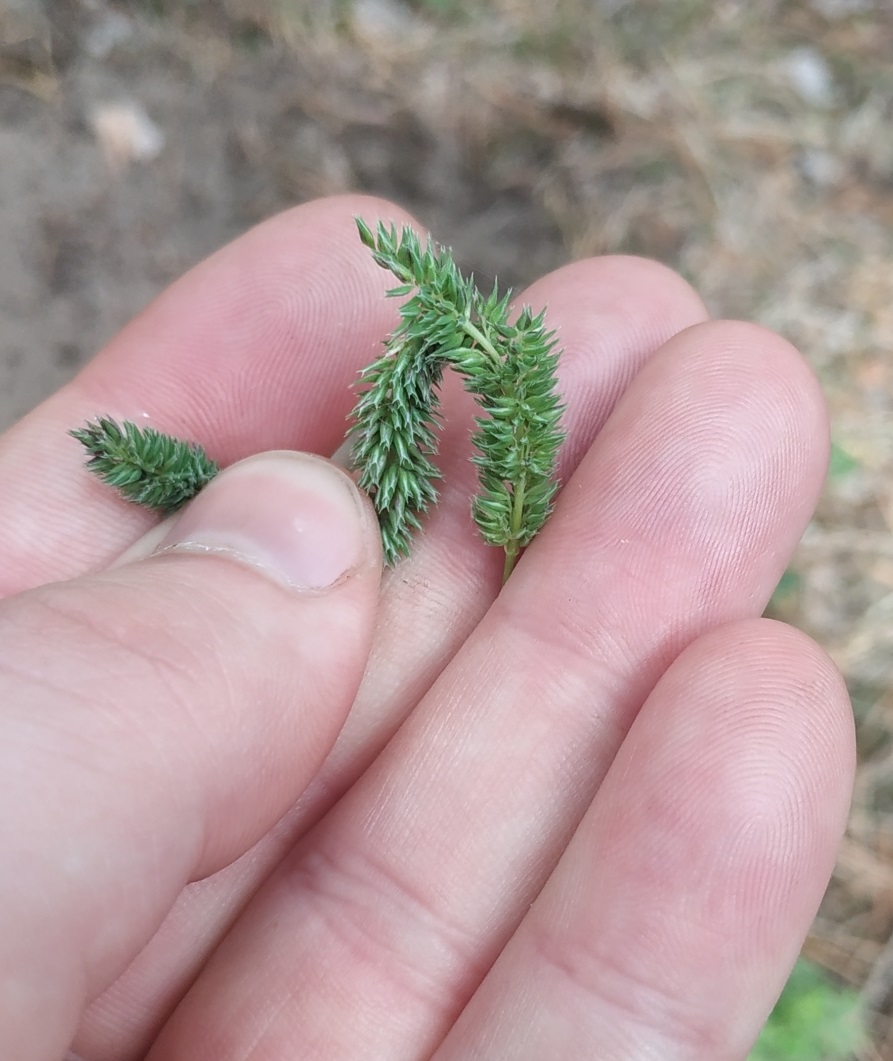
254, 349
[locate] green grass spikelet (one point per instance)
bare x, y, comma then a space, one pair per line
510, 368
146, 466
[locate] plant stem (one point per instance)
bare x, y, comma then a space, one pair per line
512, 551
473, 332
512, 547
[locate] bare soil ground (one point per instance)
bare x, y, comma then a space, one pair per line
745, 144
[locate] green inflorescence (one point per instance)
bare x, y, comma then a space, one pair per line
145, 466
509, 367
444, 322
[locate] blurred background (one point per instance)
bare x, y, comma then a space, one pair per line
745, 144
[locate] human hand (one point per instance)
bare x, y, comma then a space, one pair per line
590, 815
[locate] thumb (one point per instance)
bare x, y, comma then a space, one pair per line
157, 718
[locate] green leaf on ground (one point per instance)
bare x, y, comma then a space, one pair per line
813, 1020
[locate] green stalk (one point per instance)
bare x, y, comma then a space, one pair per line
483, 342
513, 546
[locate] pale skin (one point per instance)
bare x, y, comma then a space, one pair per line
590, 815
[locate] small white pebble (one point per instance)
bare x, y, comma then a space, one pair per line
821, 168
126, 134
810, 76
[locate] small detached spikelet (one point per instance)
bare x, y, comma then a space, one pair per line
145, 466
509, 367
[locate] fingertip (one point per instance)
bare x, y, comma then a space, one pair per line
293, 517
610, 315
618, 305
790, 686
